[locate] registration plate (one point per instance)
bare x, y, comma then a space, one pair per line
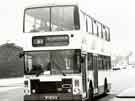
51, 97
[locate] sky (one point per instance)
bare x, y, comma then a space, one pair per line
117, 14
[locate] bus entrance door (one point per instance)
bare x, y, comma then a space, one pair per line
95, 73
84, 80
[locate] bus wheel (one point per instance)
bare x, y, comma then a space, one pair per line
91, 93
105, 86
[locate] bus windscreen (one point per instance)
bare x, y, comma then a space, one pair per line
55, 61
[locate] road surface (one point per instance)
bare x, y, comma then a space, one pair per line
123, 85
122, 80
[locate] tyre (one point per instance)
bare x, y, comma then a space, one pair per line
105, 86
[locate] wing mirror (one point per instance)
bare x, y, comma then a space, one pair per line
21, 54
82, 59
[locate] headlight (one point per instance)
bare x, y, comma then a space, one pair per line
33, 91
76, 91
69, 90
59, 89
76, 87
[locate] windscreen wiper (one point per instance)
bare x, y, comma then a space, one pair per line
37, 70
38, 73
48, 67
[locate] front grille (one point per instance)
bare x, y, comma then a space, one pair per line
38, 87
49, 87
45, 87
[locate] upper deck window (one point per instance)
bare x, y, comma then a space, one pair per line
56, 18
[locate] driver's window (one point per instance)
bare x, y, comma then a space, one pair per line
29, 63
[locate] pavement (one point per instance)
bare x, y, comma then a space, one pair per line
123, 86
11, 82
11, 89
122, 80
11, 94
127, 93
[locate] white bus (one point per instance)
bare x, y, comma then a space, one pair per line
66, 53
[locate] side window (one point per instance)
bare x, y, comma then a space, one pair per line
89, 20
100, 63
106, 60
99, 30
108, 34
104, 32
90, 62
103, 63
83, 21
109, 62
94, 27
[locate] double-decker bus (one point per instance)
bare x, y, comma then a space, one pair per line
66, 53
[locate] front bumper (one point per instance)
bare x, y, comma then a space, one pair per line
52, 97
